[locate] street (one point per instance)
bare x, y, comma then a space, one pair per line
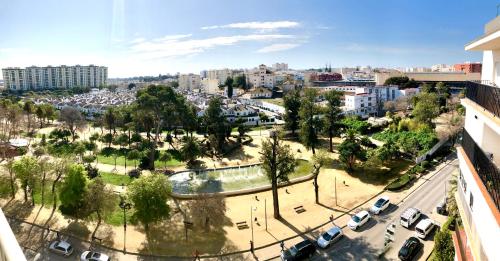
368, 242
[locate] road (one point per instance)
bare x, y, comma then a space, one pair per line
368, 242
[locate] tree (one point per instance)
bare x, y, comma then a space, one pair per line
26, 170
149, 194
242, 128
208, 209
292, 107
45, 167
13, 186
241, 82
73, 190
60, 167
310, 123
191, 149
215, 123
353, 148
165, 156
29, 109
319, 160
426, 108
131, 86
100, 200
333, 115
73, 120
278, 162
134, 155
443, 246
428, 88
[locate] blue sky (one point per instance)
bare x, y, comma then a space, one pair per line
148, 37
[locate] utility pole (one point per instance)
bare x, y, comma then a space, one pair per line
265, 211
336, 190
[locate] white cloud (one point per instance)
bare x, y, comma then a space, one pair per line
256, 25
277, 47
169, 46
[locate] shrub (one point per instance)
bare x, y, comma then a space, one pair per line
91, 171
134, 174
400, 182
425, 164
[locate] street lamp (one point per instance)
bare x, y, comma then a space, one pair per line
124, 206
252, 209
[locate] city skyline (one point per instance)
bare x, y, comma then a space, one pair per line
133, 38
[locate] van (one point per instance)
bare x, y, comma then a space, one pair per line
409, 216
424, 227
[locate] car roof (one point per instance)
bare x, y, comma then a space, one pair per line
362, 213
334, 230
409, 212
424, 223
303, 244
63, 244
386, 198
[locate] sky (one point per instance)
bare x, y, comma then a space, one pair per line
151, 37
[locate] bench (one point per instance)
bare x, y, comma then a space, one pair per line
299, 209
242, 225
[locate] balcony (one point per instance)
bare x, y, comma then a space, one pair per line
486, 95
488, 172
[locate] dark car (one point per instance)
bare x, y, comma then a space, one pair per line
410, 249
299, 251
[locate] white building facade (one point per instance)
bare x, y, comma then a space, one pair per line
261, 77
189, 81
57, 77
478, 192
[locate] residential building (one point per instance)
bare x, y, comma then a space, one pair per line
468, 67
57, 77
261, 77
189, 81
478, 192
220, 75
203, 74
418, 69
280, 67
442, 68
9, 247
258, 93
361, 104
210, 85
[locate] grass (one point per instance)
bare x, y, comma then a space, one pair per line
49, 198
400, 182
381, 175
120, 161
115, 179
277, 101
5, 190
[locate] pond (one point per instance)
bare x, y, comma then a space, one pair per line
229, 179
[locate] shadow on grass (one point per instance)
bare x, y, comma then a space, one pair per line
18, 209
78, 229
381, 175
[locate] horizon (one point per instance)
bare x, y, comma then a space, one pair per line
132, 39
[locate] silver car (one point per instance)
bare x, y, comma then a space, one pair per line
94, 256
329, 237
61, 247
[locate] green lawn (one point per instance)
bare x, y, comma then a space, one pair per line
277, 101
381, 175
120, 161
48, 197
115, 179
5, 190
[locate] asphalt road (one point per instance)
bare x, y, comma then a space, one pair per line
368, 242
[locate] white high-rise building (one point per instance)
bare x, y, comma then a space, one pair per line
478, 192
220, 75
57, 77
189, 81
261, 77
280, 67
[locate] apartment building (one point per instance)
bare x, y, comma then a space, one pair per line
468, 67
261, 77
189, 81
280, 67
54, 77
220, 75
478, 192
361, 104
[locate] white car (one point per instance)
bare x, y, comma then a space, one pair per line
329, 237
93, 256
381, 204
61, 247
358, 220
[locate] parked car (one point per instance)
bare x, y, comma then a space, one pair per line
299, 251
441, 207
424, 227
94, 256
359, 220
381, 204
329, 237
410, 216
61, 247
410, 249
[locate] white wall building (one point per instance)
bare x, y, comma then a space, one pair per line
210, 85
189, 81
57, 77
220, 75
261, 77
478, 193
361, 104
9, 247
280, 67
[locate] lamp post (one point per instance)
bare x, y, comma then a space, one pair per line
124, 206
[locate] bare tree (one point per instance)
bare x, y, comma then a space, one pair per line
73, 120
208, 209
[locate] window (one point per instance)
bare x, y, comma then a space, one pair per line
462, 181
471, 201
